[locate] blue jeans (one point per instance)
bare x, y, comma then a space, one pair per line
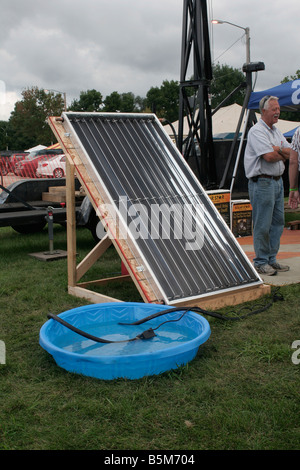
266, 197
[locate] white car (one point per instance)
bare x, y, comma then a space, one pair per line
55, 167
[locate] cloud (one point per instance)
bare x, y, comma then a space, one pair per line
274, 37
132, 45
7, 101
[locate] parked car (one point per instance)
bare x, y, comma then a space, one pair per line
28, 166
14, 159
54, 167
3, 166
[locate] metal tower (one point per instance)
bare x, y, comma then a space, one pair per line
194, 102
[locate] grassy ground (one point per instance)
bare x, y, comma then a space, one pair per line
240, 392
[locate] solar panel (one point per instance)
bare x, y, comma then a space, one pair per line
173, 239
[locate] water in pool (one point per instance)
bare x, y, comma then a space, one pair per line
167, 335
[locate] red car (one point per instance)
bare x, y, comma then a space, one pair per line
3, 166
28, 166
14, 159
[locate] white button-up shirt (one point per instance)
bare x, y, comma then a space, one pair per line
261, 139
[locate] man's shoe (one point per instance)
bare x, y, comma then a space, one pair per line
266, 269
280, 267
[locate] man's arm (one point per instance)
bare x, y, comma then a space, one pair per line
293, 179
278, 154
285, 152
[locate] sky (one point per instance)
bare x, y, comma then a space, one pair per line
132, 45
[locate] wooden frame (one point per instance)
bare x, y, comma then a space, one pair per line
75, 272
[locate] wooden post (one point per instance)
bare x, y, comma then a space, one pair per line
71, 222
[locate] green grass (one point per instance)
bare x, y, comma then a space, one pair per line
240, 392
290, 216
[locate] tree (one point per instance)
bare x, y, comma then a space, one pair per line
89, 101
4, 135
127, 103
140, 104
112, 102
225, 80
123, 103
170, 99
291, 77
153, 100
164, 101
28, 122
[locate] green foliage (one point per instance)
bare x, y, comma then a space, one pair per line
123, 103
164, 101
241, 392
112, 103
4, 135
127, 103
291, 77
28, 122
225, 80
89, 101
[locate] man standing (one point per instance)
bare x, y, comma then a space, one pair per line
265, 154
294, 168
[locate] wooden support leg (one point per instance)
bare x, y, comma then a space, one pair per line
71, 223
92, 257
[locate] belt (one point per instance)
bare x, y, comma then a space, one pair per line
255, 178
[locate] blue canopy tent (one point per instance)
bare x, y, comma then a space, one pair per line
288, 94
290, 133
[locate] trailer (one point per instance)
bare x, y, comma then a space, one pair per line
25, 205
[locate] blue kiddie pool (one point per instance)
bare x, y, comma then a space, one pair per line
132, 348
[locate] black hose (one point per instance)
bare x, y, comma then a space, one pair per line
274, 298
147, 334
